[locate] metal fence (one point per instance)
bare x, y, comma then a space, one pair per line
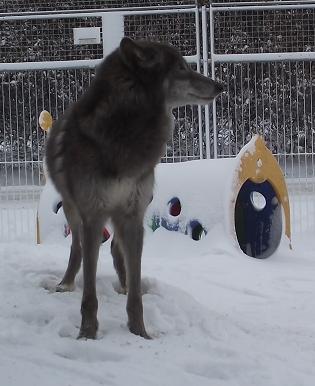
263, 53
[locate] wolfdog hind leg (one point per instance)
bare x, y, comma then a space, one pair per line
129, 230
74, 221
92, 237
119, 264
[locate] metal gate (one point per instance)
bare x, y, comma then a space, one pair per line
44, 66
265, 56
269, 80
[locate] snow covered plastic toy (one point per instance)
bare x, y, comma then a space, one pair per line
247, 194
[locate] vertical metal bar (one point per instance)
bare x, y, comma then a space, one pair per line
256, 98
40, 165
112, 31
312, 128
236, 123
70, 98
173, 133
36, 123
49, 103
186, 133
214, 111
30, 126
291, 118
297, 87
76, 84
283, 121
179, 135
24, 129
11, 133
301, 200
56, 94
304, 84
249, 94
277, 109
221, 99
229, 122
242, 110
262, 99
197, 22
17, 131
270, 108
62, 91
205, 72
4, 134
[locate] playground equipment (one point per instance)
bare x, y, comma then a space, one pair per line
246, 194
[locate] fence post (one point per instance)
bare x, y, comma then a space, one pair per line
206, 73
200, 117
112, 31
214, 107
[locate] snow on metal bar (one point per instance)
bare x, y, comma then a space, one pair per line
264, 57
63, 64
264, 7
53, 65
50, 15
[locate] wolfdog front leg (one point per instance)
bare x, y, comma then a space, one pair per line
92, 237
129, 233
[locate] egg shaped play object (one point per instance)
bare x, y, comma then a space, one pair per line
246, 195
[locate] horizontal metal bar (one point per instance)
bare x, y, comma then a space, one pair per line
57, 65
265, 57
267, 7
192, 59
253, 4
63, 64
99, 13
96, 10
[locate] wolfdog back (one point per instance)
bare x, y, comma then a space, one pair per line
101, 156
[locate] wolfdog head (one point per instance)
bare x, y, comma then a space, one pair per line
163, 64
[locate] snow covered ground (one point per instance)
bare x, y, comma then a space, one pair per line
217, 317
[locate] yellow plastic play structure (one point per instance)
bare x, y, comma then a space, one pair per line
260, 166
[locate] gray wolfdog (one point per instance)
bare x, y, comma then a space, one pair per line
101, 156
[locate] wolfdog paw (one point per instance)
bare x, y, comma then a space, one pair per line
123, 290
63, 287
88, 332
120, 289
139, 330
84, 335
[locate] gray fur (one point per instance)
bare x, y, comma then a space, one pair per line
101, 156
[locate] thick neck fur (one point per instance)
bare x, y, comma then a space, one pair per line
123, 113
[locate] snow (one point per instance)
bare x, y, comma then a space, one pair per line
217, 317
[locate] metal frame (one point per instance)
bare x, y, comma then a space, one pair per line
301, 182
205, 59
67, 65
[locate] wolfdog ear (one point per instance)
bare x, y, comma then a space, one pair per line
133, 54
